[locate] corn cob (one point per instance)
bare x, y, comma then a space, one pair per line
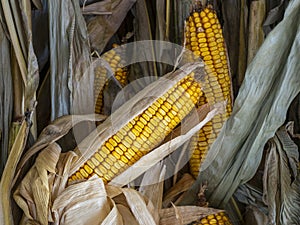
216, 219
143, 133
117, 65
205, 39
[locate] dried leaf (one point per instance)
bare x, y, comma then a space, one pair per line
162, 33
143, 31
98, 8
20, 31
152, 187
101, 28
40, 32
250, 195
54, 132
290, 209
9, 18
243, 37
114, 217
9, 173
255, 217
271, 181
69, 58
289, 148
85, 202
294, 115
275, 15
6, 93
231, 11
38, 4
182, 9
256, 35
138, 207
181, 186
282, 155
128, 218
188, 214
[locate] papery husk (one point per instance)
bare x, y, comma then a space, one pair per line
20, 67
181, 186
152, 187
45, 197
128, 111
38, 4
97, 8
53, 132
9, 173
275, 14
127, 215
282, 161
243, 37
138, 207
231, 15
254, 216
102, 27
180, 215
143, 25
6, 99
18, 20
256, 35
69, 59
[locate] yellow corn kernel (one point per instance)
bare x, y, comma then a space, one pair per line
214, 219
211, 49
143, 133
115, 61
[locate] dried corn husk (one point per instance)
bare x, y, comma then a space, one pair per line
281, 170
152, 187
128, 111
6, 87
180, 215
45, 195
180, 187
9, 173
159, 153
256, 35
102, 27
69, 58
53, 132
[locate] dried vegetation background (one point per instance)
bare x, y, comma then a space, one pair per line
46, 48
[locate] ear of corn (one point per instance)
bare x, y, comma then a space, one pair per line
204, 38
114, 59
143, 133
216, 219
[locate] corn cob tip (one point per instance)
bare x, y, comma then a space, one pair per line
214, 219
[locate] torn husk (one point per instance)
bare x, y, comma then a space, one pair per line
184, 214
128, 111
